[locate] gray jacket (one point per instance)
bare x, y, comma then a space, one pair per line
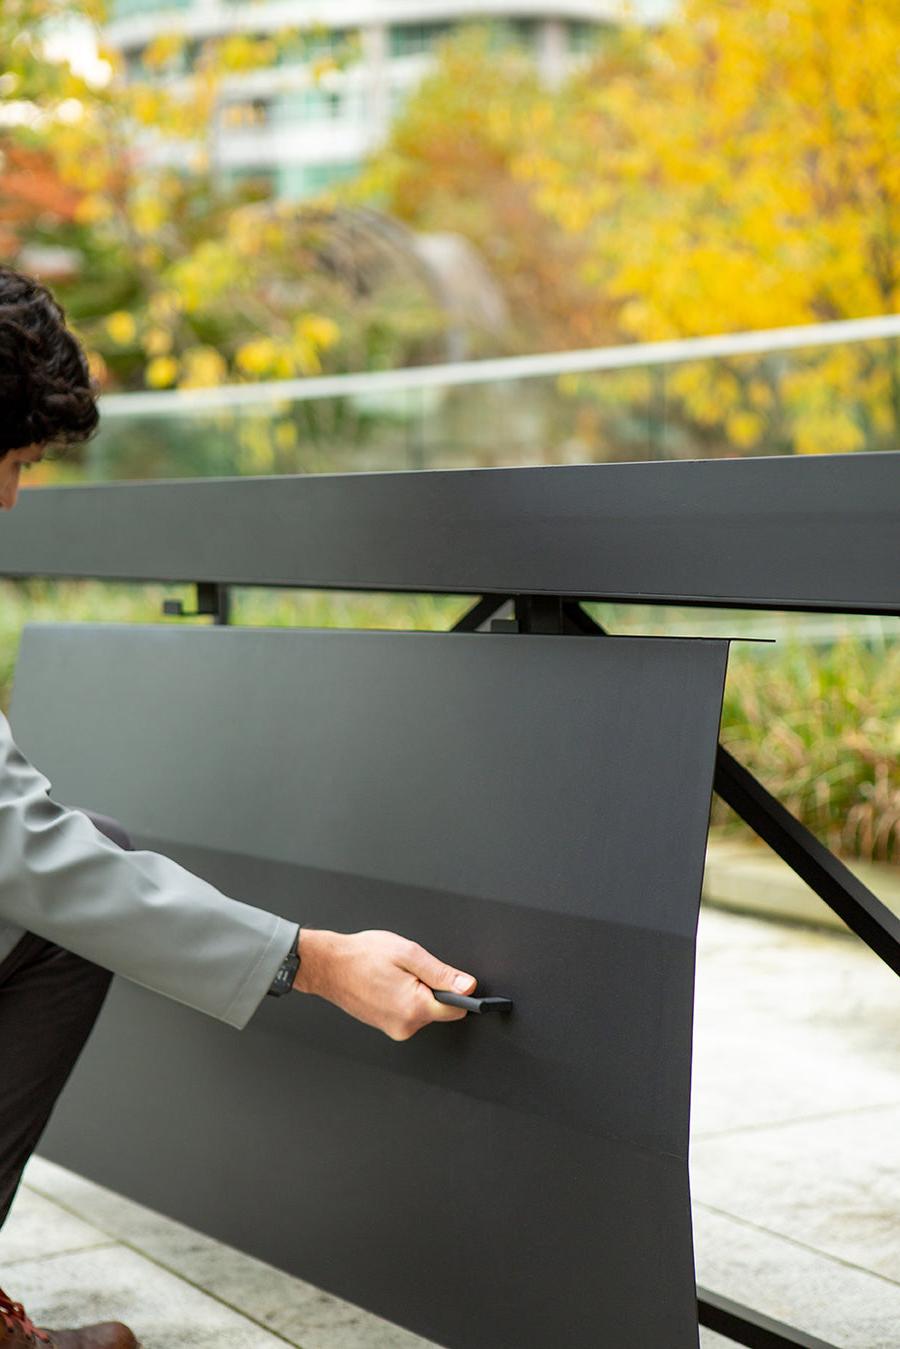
136, 913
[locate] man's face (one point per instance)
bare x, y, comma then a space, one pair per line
11, 466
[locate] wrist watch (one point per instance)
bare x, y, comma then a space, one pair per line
287, 971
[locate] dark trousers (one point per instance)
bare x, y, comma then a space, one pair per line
49, 1001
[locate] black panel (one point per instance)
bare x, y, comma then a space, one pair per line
533, 808
810, 533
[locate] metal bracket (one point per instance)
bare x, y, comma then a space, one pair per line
473, 618
212, 598
544, 614
532, 613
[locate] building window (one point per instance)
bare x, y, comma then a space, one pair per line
181, 62
584, 37
514, 33
415, 39
296, 181
317, 44
316, 105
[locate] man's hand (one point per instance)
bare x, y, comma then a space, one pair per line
379, 978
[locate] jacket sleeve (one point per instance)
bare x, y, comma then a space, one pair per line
138, 913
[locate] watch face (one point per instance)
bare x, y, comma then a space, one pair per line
284, 979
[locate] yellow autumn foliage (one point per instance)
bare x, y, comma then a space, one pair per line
258, 358
741, 171
157, 341
318, 330
161, 372
240, 52
148, 213
121, 328
202, 366
286, 435
162, 50
93, 209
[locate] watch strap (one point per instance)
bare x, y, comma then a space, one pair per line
287, 971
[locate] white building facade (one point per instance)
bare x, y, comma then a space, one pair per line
298, 130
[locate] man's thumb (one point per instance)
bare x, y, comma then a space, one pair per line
436, 974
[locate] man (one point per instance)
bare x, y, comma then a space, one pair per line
76, 905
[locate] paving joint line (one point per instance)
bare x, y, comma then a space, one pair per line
795, 1241
798, 1119
58, 1255
169, 1269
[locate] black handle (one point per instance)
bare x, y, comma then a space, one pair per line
472, 1004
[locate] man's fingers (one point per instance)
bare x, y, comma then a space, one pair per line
435, 973
439, 1011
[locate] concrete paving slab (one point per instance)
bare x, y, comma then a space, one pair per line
114, 1283
37, 1228
789, 1024
832, 1184
842, 1305
297, 1311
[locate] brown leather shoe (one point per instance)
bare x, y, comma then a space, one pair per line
18, 1331
104, 1335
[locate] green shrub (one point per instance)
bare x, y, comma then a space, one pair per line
820, 727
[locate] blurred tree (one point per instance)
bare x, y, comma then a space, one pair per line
740, 171
172, 278
449, 166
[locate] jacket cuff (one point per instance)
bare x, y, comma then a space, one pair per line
256, 982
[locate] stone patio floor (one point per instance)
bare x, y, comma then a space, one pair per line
795, 1167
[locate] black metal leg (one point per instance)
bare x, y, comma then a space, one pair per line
833, 882
751, 1328
480, 612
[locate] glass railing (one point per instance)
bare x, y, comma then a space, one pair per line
830, 389
130, 9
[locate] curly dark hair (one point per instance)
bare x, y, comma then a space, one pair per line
47, 396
